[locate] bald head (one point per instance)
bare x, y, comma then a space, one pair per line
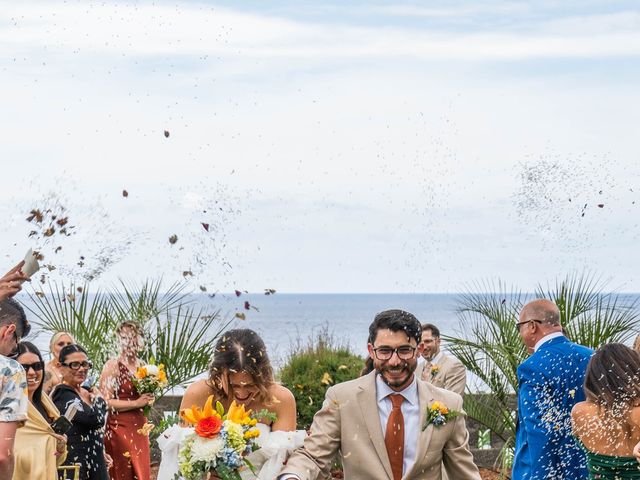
538, 319
541, 309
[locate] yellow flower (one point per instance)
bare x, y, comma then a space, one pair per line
238, 414
162, 376
141, 372
326, 379
253, 433
193, 415
439, 407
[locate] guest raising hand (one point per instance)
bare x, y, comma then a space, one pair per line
11, 282
125, 440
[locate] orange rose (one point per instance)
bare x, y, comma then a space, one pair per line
208, 427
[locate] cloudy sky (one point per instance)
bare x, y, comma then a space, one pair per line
337, 146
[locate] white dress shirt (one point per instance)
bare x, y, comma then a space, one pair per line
411, 413
545, 339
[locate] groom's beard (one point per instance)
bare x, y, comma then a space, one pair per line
398, 380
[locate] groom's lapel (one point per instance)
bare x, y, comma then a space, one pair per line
425, 399
369, 406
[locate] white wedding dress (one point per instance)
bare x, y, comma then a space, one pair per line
274, 449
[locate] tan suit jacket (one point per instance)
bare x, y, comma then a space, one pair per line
349, 423
451, 374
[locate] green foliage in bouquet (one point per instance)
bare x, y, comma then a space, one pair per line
314, 367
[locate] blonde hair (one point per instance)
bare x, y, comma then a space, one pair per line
636, 344
135, 326
56, 336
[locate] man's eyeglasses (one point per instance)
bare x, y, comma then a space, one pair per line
385, 353
519, 324
78, 365
36, 366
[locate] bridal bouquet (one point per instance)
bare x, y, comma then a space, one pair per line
150, 379
218, 442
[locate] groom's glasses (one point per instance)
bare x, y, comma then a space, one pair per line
385, 353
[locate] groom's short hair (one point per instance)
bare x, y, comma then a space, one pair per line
396, 320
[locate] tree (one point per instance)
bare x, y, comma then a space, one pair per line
490, 346
178, 333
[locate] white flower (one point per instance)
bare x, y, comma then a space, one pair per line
206, 449
152, 370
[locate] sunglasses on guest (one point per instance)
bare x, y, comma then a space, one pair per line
36, 366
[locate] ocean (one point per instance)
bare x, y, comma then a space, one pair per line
284, 320
287, 320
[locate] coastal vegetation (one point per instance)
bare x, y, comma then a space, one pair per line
313, 367
490, 347
178, 333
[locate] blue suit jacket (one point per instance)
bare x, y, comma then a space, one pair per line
550, 384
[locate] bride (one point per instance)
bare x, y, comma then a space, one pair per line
240, 371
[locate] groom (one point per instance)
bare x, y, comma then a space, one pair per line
379, 422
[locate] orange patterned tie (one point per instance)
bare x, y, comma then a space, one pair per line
394, 436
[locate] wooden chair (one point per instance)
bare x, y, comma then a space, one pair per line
64, 470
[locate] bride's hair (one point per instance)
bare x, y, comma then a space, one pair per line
241, 351
612, 380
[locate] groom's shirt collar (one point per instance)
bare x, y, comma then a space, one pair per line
545, 339
410, 393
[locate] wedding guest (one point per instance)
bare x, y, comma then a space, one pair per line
14, 402
550, 384
85, 439
38, 449
53, 372
607, 423
125, 439
11, 282
438, 368
379, 422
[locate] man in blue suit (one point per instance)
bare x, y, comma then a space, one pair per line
550, 384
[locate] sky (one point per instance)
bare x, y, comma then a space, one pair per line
336, 146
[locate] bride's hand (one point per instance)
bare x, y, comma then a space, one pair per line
636, 452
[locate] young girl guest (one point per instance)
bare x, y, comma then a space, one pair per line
85, 439
125, 440
53, 374
38, 450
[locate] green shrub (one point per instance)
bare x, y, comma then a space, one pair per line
313, 368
